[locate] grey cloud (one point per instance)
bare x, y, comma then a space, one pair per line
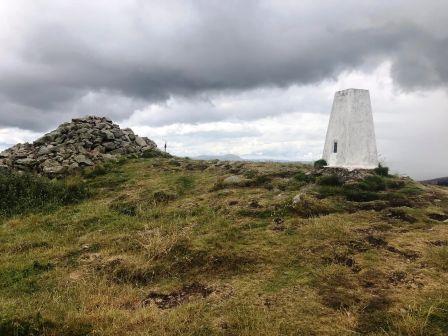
123, 53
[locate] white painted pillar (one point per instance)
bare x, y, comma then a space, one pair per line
350, 141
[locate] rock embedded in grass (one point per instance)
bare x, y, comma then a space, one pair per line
233, 180
296, 199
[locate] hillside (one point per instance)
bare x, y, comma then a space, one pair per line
441, 181
225, 157
162, 246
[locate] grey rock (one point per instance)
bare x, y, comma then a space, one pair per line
5, 154
296, 199
109, 146
83, 160
140, 141
26, 162
149, 142
99, 149
44, 150
233, 180
73, 166
128, 131
108, 135
108, 156
53, 168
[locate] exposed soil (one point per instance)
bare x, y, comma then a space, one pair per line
438, 242
400, 214
345, 261
397, 277
379, 242
438, 217
176, 298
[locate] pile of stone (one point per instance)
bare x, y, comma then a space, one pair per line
80, 143
344, 174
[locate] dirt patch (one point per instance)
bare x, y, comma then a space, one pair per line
379, 242
181, 261
338, 290
372, 279
76, 275
438, 242
344, 261
278, 224
357, 246
254, 204
400, 214
400, 278
397, 277
377, 205
376, 241
375, 316
90, 257
438, 217
408, 254
176, 298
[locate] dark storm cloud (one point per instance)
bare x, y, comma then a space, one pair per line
62, 59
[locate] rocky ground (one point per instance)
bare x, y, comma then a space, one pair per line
73, 145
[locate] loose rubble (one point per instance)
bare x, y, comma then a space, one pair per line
344, 174
80, 143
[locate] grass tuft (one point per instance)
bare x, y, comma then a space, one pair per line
23, 193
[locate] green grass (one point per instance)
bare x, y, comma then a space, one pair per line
85, 265
22, 193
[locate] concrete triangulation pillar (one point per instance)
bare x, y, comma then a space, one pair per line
350, 140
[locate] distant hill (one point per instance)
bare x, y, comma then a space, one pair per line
225, 157
442, 181
233, 157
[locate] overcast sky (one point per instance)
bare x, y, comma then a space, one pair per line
253, 78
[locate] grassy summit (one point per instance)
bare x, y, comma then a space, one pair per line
163, 246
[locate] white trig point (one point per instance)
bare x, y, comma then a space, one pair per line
350, 141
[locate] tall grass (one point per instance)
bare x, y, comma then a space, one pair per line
23, 193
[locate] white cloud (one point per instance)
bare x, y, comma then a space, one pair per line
12, 136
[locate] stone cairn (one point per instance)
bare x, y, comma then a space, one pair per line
80, 143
